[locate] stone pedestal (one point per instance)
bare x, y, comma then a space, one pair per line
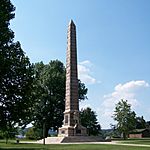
72, 127
72, 131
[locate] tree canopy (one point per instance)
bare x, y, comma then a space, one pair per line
16, 74
49, 93
125, 117
140, 123
89, 120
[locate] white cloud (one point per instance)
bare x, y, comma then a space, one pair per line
84, 71
127, 91
86, 63
131, 86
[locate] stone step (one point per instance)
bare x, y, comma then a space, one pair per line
71, 139
74, 139
51, 140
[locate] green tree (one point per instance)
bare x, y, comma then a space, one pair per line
140, 123
148, 124
82, 91
16, 74
126, 119
33, 133
49, 93
89, 120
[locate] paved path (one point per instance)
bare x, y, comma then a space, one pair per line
112, 143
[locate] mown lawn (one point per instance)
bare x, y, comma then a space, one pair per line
137, 141
11, 146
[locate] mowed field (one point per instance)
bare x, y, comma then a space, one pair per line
22, 146
143, 141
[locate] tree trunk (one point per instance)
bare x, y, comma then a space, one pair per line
46, 132
6, 140
124, 135
6, 135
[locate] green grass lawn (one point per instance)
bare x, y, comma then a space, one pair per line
137, 141
12, 146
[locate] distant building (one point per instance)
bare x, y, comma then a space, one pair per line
139, 133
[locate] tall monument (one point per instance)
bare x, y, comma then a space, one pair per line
71, 125
72, 130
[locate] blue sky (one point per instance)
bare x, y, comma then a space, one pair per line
113, 47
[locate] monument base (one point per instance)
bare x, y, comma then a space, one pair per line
77, 130
72, 139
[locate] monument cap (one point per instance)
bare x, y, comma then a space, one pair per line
71, 22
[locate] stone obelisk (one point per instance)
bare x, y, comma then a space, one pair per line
71, 125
